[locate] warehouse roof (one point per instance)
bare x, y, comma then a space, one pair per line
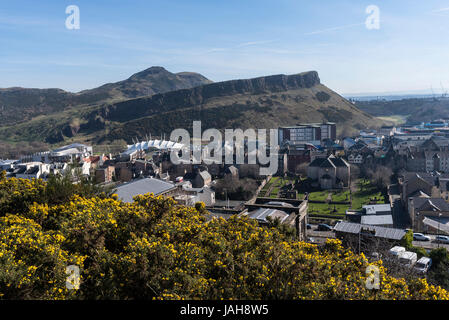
380, 232
127, 191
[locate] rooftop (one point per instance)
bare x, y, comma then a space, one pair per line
127, 191
380, 232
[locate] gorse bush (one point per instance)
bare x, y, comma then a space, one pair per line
155, 249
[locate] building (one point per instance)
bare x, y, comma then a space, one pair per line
127, 191
365, 238
355, 158
299, 154
191, 196
330, 173
202, 178
104, 175
295, 209
430, 155
425, 209
264, 215
313, 133
124, 171
373, 214
30, 170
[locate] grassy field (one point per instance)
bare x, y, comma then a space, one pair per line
327, 209
318, 196
341, 196
275, 184
396, 119
365, 193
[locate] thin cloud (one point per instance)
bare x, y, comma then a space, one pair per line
334, 29
441, 10
254, 43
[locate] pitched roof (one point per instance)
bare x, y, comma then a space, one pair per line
380, 232
327, 163
205, 175
127, 191
339, 162
317, 162
427, 204
262, 214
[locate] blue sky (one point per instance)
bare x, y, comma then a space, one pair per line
226, 40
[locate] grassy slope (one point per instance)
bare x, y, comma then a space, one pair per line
268, 110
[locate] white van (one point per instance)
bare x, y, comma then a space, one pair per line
396, 251
408, 258
423, 265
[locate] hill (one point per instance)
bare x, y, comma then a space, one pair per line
264, 102
413, 110
22, 104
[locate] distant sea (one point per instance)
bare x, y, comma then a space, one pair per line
391, 97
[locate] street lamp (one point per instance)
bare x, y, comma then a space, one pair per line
439, 216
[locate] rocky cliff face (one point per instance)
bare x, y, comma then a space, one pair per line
187, 98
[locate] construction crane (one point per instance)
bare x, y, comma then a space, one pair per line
433, 93
444, 92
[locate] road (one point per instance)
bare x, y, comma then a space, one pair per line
430, 244
319, 236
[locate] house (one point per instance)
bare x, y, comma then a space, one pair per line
348, 142
202, 178
127, 191
124, 171
299, 154
191, 196
412, 185
429, 155
105, 174
232, 171
355, 158
32, 170
7, 164
330, 173
427, 209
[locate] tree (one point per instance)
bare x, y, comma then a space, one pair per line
301, 169
154, 248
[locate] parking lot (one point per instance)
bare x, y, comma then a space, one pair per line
430, 244
319, 236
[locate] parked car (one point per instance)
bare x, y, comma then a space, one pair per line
423, 265
324, 227
309, 226
311, 240
441, 239
420, 237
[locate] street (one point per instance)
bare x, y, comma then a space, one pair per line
430, 244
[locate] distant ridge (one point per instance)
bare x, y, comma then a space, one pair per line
21, 104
